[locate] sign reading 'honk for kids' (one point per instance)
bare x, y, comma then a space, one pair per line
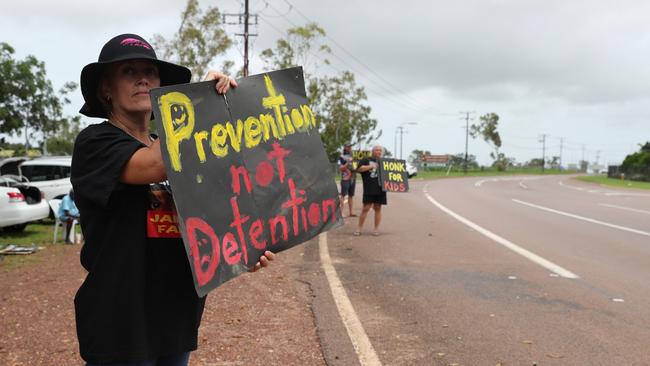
393, 176
248, 171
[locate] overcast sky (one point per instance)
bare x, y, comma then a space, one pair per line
572, 70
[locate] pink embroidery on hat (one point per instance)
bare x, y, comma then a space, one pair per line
134, 42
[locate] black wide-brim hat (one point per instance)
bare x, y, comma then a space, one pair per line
121, 48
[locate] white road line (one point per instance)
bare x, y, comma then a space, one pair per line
480, 182
593, 221
572, 187
362, 346
626, 208
522, 185
506, 243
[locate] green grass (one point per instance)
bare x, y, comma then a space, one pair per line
454, 173
432, 174
612, 182
38, 234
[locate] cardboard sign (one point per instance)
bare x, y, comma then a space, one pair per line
248, 171
357, 155
393, 176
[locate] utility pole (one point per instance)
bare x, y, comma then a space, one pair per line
597, 156
400, 128
243, 19
561, 146
246, 38
395, 151
467, 119
543, 141
401, 141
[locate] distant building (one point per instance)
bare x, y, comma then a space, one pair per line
433, 161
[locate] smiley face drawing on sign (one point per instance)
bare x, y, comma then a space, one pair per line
178, 123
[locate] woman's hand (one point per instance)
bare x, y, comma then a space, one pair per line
263, 262
224, 82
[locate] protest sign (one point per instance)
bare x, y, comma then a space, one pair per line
357, 155
393, 176
248, 171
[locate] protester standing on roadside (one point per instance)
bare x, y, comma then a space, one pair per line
348, 179
373, 196
137, 305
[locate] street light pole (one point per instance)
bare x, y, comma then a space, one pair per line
400, 128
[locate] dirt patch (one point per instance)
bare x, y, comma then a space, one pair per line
262, 318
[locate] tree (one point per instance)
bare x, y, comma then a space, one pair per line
536, 162
303, 46
416, 156
487, 129
338, 103
62, 143
459, 160
503, 162
27, 100
199, 40
636, 166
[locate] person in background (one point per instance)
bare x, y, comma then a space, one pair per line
373, 196
348, 179
68, 212
137, 305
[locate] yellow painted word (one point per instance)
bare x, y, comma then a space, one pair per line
395, 177
178, 122
395, 166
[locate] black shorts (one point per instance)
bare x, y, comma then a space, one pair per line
375, 198
347, 188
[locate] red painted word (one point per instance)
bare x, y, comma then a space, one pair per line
394, 187
300, 216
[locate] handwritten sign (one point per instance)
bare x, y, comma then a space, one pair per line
248, 171
357, 155
393, 176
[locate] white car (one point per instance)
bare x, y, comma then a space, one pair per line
50, 174
20, 204
411, 170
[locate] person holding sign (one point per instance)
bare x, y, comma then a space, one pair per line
137, 305
373, 195
348, 178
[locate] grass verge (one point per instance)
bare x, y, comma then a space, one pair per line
434, 174
37, 234
612, 182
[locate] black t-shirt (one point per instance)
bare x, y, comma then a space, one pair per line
370, 179
138, 300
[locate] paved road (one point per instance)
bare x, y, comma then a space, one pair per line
553, 272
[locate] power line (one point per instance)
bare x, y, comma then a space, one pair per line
387, 97
390, 86
243, 18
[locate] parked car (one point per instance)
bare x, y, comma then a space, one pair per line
20, 204
50, 174
411, 170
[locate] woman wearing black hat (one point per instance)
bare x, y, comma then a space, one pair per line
137, 305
